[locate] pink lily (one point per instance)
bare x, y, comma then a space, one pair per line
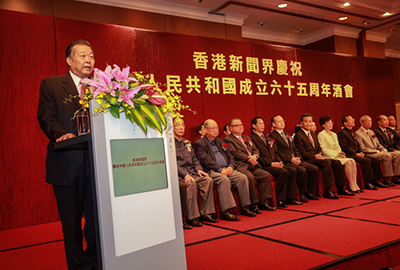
126, 94
157, 99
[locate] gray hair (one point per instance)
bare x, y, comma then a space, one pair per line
363, 118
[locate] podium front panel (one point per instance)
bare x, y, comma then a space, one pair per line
137, 190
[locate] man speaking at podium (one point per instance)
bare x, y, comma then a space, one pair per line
67, 170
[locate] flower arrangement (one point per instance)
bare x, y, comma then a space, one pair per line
373, 136
288, 137
270, 142
137, 95
247, 141
354, 135
390, 134
187, 142
188, 145
224, 146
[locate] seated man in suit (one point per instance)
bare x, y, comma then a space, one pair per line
216, 160
371, 166
285, 188
292, 159
308, 146
192, 175
246, 156
200, 130
386, 139
393, 127
226, 129
371, 147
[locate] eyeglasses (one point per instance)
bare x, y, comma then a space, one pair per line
239, 125
212, 128
179, 125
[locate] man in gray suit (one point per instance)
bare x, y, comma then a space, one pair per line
370, 146
191, 173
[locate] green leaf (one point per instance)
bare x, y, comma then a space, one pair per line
140, 93
114, 111
147, 111
160, 113
138, 118
113, 101
139, 101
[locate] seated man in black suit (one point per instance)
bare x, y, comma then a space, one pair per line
386, 139
308, 146
293, 161
192, 175
285, 188
393, 127
216, 160
371, 166
246, 156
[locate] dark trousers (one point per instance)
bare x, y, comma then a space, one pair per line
325, 166
264, 184
284, 183
366, 164
306, 176
73, 202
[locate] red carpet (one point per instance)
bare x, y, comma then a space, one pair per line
360, 232
338, 236
327, 205
387, 212
246, 252
204, 233
49, 257
265, 219
380, 194
31, 235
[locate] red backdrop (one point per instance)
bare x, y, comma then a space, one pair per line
33, 47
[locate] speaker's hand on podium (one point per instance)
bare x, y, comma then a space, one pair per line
65, 137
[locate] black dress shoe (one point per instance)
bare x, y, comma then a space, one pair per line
208, 218
370, 186
344, 192
281, 204
329, 195
396, 180
390, 183
228, 216
303, 198
254, 208
195, 222
265, 206
311, 197
294, 202
246, 212
187, 226
379, 184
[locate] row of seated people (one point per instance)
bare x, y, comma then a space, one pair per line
239, 160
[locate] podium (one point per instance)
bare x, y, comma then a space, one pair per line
136, 194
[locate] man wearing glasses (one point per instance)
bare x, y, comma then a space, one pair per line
219, 163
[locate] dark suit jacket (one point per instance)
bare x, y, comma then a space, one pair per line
55, 119
396, 135
386, 141
205, 154
239, 151
285, 151
304, 145
185, 159
347, 140
268, 153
